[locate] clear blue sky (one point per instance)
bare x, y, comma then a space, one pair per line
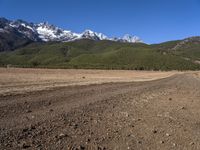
152, 20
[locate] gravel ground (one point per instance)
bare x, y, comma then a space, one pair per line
157, 115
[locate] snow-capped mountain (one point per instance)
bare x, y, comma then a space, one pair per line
14, 35
27, 29
88, 34
128, 39
131, 39
47, 32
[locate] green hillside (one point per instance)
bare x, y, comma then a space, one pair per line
104, 55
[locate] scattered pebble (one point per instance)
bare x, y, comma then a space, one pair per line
62, 135
49, 103
183, 107
161, 142
127, 115
191, 143
28, 111
88, 140
50, 110
80, 147
154, 131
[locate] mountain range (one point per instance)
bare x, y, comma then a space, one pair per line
42, 45
19, 33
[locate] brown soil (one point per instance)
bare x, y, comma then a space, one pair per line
18, 80
162, 114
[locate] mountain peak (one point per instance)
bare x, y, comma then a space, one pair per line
89, 31
48, 32
90, 35
131, 39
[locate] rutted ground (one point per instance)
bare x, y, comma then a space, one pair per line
160, 114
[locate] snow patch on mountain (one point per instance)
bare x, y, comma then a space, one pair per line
29, 27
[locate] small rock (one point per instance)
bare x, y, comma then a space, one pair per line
161, 142
62, 135
88, 140
191, 143
127, 115
49, 103
28, 111
24, 145
154, 131
167, 134
80, 147
183, 107
51, 110
75, 126
174, 144
170, 98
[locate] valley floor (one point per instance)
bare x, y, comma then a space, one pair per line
23, 80
161, 114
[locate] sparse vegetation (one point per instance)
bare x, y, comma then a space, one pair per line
104, 55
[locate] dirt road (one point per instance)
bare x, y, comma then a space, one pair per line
157, 115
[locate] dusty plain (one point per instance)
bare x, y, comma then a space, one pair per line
99, 109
